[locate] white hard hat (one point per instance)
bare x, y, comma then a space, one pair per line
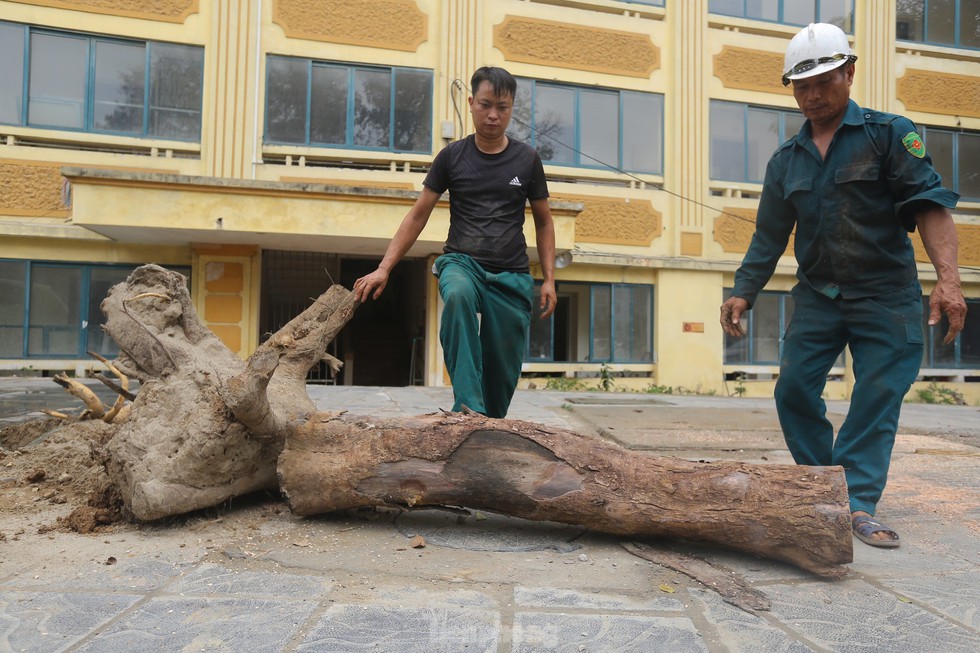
816, 49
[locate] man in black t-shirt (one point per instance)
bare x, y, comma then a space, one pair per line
484, 274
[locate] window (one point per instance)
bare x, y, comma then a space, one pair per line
52, 310
764, 327
590, 127
940, 22
655, 3
962, 353
744, 137
62, 80
954, 154
338, 105
595, 323
790, 12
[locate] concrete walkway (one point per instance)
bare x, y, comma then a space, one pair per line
251, 577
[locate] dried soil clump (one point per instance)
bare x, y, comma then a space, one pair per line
62, 464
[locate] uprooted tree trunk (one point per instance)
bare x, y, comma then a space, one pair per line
206, 427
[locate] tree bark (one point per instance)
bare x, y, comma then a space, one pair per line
792, 513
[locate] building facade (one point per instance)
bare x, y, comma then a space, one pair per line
269, 148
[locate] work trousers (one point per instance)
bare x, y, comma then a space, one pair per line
485, 319
885, 337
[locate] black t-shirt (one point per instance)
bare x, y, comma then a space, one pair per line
487, 197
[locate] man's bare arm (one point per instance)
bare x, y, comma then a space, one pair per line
373, 284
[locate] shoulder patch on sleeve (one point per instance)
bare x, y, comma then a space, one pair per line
913, 143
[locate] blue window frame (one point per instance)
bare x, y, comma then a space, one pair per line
654, 3
89, 83
955, 154
962, 353
52, 310
619, 318
939, 22
330, 104
744, 137
590, 127
789, 12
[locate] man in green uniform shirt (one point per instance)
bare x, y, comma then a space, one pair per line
853, 183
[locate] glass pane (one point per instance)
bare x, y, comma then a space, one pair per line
120, 82
285, 100
792, 124
539, 345
970, 337
13, 290
57, 88
554, 123
601, 323
939, 145
943, 355
12, 72
970, 24
727, 127
520, 117
795, 12
55, 311
598, 128
838, 12
372, 108
909, 25
328, 122
941, 21
968, 156
643, 120
176, 91
102, 279
622, 322
766, 329
641, 349
413, 111
763, 140
768, 9
726, 7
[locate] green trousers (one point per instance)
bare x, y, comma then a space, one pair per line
885, 338
483, 332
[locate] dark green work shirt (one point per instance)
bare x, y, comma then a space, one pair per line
852, 211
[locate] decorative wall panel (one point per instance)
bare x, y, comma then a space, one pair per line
31, 189
616, 221
171, 11
389, 24
750, 70
579, 47
935, 92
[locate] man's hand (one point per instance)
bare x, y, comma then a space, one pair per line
371, 285
947, 297
549, 299
731, 316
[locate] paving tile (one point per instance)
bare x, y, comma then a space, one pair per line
855, 617
380, 629
956, 595
548, 597
165, 625
40, 622
541, 632
215, 579
742, 632
121, 574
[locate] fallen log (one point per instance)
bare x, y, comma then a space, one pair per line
207, 426
786, 512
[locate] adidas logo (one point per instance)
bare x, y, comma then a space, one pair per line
515, 182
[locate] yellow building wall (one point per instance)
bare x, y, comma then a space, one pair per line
680, 230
